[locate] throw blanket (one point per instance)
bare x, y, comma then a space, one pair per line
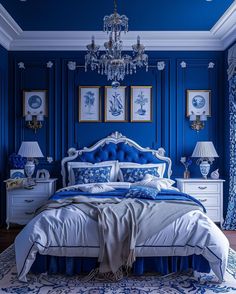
121, 221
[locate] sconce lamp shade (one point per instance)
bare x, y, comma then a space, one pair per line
30, 150
204, 149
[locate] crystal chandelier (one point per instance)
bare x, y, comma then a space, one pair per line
113, 63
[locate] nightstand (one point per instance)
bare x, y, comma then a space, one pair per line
22, 203
208, 192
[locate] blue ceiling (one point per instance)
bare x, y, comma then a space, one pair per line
87, 15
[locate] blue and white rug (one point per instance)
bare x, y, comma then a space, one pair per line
59, 284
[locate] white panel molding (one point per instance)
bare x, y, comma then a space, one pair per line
218, 38
9, 29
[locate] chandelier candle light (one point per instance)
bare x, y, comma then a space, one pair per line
206, 153
113, 63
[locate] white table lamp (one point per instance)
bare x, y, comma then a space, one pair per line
30, 150
206, 153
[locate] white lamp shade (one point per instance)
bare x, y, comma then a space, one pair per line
30, 150
204, 149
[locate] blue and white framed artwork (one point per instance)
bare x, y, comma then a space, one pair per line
35, 102
115, 104
198, 102
141, 103
89, 104
17, 174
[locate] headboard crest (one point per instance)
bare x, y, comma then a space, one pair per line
134, 153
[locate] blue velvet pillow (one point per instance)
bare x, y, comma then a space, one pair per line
142, 192
86, 175
133, 175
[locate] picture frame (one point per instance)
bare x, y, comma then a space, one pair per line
35, 102
115, 104
89, 104
42, 175
198, 102
17, 173
141, 104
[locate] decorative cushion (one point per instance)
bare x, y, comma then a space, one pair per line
155, 182
132, 172
96, 188
113, 164
86, 175
142, 192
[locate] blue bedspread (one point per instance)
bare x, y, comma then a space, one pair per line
163, 195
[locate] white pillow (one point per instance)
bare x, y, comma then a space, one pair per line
154, 182
160, 168
113, 164
96, 188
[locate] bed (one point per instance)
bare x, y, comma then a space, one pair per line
80, 228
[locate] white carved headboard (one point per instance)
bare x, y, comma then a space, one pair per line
116, 147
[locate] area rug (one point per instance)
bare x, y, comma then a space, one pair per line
152, 284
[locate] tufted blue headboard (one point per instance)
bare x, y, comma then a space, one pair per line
116, 147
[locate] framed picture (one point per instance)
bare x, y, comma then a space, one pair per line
17, 174
35, 102
198, 102
141, 103
115, 104
42, 175
89, 104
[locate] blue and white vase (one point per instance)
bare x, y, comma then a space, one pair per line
204, 168
29, 168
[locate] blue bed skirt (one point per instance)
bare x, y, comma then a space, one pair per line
142, 265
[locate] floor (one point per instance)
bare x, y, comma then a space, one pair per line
7, 237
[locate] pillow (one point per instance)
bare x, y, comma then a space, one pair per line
155, 182
86, 175
142, 192
113, 164
133, 172
96, 188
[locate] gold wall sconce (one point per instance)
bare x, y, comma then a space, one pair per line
34, 122
197, 121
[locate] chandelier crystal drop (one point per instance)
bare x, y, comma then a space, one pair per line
113, 62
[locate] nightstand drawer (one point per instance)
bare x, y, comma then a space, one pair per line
42, 188
208, 199
22, 212
19, 200
201, 188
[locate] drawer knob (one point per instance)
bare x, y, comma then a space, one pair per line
202, 200
202, 188
29, 213
29, 200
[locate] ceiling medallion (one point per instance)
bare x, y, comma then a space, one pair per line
113, 62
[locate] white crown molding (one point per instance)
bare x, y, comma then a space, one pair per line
218, 38
225, 28
156, 41
9, 29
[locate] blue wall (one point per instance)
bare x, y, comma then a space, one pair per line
170, 127
3, 122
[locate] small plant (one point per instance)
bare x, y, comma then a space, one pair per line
186, 161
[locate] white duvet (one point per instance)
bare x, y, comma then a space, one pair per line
70, 232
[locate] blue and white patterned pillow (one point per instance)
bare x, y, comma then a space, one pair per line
142, 192
86, 175
133, 175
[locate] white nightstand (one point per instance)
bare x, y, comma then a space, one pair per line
208, 192
22, 203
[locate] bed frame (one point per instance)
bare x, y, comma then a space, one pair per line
115, 147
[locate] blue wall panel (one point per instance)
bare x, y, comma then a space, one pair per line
169, 129
3, 125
